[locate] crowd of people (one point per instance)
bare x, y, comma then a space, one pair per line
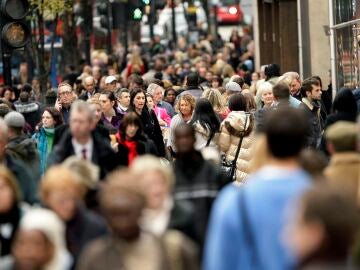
189, 159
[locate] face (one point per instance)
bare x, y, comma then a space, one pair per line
302, 238
170, 96
295, 87
215, 84
96, 108
80, 124
123, 213
184, 141
208, 76
65, 94
106, 104
254, 77
63, 202
316, 92
89, 84
139, 101
124, 99
158, 95
47, 120
150, 102
156, 189
111, 86
6, 196
8, 95
32, 250
185, 108
131, 130
267, 97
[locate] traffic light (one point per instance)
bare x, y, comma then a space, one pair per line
102, 11
136, 8
14, 30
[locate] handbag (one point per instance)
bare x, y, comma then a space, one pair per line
228, 168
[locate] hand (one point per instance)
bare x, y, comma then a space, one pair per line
58, 105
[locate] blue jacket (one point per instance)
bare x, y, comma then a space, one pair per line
41, 141
247, 222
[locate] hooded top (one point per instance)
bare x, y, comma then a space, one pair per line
230, 131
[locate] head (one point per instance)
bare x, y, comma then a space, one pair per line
345, 102
61, 190
232, 88
51, 118
237, 102
185, 105
130, 127
10, 194
81, 120
238, 79
281, 91
250, 100
65, 94
266, 93
205, 115
150, 102
341, 137
89, 84
8, 93
192, 80
40, 241
325, 226
255, 76
138, 99
170, 96
111, 83
285, 138
215, 98
108, 101
123, 97
156, 91
271, 71
185, 139
311, 89
121, 202
294, 80
135, 81
156, 179
216, 81
96, 108
15, 122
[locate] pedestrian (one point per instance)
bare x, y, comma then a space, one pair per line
170, 96
185, 107
157, 92
239, 213
62, 192
89, 84
65, 99
31, 110
44, 137
122, 202
110, 118
295, 84
162, 116
323, 230
217, 101
123, 100
237, 131
192, 86
267, 100
148, 118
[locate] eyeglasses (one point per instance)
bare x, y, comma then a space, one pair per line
65, 93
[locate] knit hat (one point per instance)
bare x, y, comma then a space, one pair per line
14, 119
233, 87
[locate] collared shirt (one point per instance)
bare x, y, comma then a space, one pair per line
122, 109
79, 149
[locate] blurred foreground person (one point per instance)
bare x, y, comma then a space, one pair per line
62, 192
324, 229
39, 244
165, 217
197, 180
344, 167
236, 235
128, 247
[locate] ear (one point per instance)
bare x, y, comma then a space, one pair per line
317, 232
331, 148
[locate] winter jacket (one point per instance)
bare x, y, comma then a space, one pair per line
316, 123
203, 136
24, 149
31, 112
102, 155
230, 130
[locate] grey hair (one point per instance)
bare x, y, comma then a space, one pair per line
82, 106
152, 87
292, 75
3, 130
88, 77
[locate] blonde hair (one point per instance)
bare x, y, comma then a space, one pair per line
146, 163
189, 99
215, 98
10, 180
60, 178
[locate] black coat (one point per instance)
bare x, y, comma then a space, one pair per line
102, 155
152, 130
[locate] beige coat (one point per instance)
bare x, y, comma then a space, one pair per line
344, 173
230, 131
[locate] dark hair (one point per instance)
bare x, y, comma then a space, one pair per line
56, 115
318, 79
345, 102
281, 91
237, 102
134, 78
192, 79
26, 88
133, 94
272, 70
205, 115
338, 215
308, 84
169, 90
6, 88
286, 129
217, 78
120, 91
111, 96
130, 118
158, 82
185, 126
239, 80
24, 96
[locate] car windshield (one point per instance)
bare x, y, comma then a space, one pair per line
229, 2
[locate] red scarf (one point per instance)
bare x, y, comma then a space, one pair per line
130, 145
